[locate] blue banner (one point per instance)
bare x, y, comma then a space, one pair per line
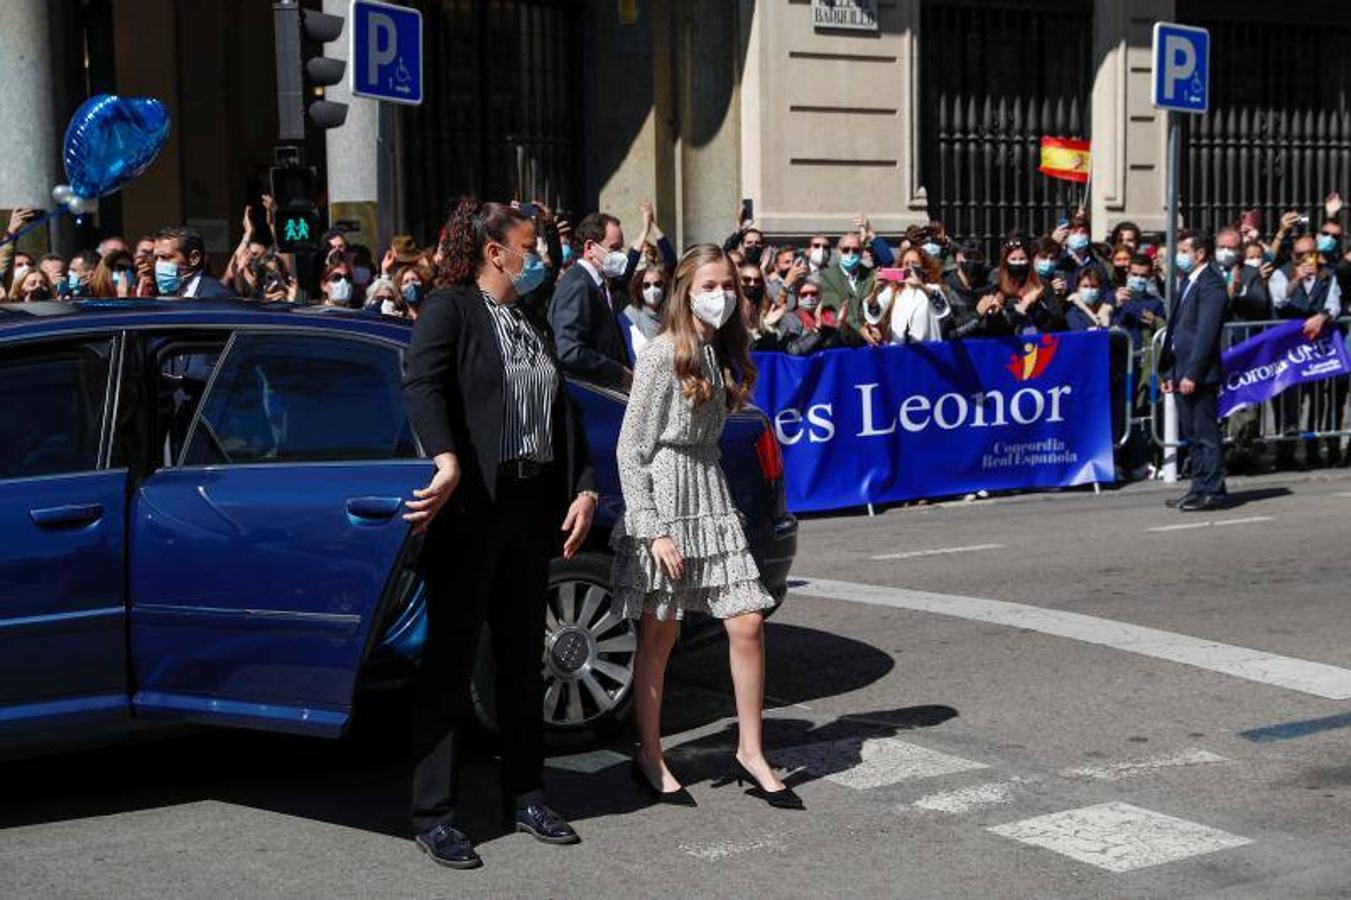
880, 425
1280, 357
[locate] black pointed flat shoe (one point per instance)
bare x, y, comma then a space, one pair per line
679, 797
785, 798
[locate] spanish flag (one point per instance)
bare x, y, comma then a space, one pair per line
1064, 158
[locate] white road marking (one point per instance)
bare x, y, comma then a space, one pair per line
1317, 679
715, 850
1342, 494
588, 763
1123, 770
1119, 837
942, 551
1183, 527
1247, 520
980, 796
1218, 523
862, 764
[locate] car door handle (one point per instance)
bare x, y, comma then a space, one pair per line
373, 507
69, 516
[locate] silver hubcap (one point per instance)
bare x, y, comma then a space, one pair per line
588, 654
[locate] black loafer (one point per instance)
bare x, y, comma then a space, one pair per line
1208, 503
1176, 502
447, 846
543, 824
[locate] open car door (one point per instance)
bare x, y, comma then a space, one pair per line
263, 564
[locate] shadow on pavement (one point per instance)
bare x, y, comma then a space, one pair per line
1256, 495
362, 781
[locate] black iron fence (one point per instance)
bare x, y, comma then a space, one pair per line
1278, 133
502, 76
995, 79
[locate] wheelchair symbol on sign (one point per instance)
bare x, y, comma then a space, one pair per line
401, 78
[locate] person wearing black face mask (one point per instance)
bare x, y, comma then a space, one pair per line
967, 281
1015, 294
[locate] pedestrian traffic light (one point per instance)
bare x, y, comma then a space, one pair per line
303, 71
297, 217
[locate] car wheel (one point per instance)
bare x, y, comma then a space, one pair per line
588, 655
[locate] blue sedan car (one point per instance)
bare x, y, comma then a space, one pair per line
200, 504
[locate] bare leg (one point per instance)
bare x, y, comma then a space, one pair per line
746, 654
656, 638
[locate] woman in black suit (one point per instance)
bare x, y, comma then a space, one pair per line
486, 399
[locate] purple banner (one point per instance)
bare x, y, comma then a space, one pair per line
1280, 357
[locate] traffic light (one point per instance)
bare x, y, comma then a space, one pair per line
297, 223
303, 71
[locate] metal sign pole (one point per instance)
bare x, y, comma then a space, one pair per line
1169, 400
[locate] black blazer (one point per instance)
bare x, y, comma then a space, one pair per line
453, 392
590, 342
1191, 347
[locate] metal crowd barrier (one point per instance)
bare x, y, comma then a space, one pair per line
1125, 361
1304, 413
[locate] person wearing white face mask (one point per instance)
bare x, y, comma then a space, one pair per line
584, 312
1248, 294
336, 285
680, 546
642, 319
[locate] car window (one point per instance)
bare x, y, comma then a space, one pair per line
52, 398
183, 371
302, 398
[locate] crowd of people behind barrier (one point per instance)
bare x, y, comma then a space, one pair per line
854, 289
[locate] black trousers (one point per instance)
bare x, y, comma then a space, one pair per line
492, 567
1197, 420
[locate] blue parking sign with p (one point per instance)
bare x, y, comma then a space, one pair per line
1181, 68
386, 52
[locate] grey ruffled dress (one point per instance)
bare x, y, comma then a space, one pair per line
674, 486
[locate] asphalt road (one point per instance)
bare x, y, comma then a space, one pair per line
1041, 696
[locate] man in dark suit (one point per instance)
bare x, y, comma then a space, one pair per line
180, 267
1190, 368
585, 308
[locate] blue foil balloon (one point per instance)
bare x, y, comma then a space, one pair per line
111, 140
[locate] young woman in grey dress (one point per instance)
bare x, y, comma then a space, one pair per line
680, 546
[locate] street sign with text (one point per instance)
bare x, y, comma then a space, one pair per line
855, 15
386, 52
1181, 68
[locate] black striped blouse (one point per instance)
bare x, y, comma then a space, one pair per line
529, 385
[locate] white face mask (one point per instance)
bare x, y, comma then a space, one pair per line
389, 308
817, 257
613, 264
714, 307
1226, 256
340, 291
652, 295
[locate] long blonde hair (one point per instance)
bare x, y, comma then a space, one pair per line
731, 343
